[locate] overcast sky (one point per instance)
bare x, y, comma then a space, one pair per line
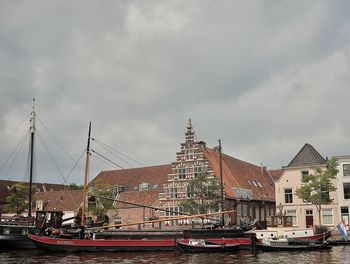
265, 77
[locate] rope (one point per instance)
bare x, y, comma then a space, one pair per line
19, 146
6, 138
126, 156
107, 159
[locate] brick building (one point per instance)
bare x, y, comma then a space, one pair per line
248, 188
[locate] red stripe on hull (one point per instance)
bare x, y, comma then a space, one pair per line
59, 244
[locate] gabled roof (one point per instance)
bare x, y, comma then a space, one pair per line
241, 174
68, 200
307, 156
276, 174
6, 189
132, 178
148, 198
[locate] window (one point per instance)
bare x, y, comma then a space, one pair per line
344, 210
182, 173
189, 154
190, 192
173, 192
288, 196
327, 216
304, 174
346, 169
197, 171
143, 186
293, 214
309, 212
346, 188
325, 195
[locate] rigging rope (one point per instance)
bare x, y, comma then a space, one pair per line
57, 142
48, 151
19, 146
126, 156
103, 157
6, 138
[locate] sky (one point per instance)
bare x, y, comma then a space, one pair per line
265, 77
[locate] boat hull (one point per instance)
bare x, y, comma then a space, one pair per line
292, 244
120, 245
76, 245
12, 242
294, 248
207, 248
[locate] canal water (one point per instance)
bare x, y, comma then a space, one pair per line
338, 254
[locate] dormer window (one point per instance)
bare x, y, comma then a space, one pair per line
143, 186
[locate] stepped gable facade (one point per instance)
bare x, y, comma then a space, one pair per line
248, 188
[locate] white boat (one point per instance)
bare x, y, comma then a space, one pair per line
273, 244
298, 234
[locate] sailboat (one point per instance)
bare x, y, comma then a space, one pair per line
90, 241
13, 231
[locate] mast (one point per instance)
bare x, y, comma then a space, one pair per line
221, 183
32, 134
85, 177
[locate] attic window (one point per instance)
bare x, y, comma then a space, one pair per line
259, 184
255, 183
249, 182
143, 186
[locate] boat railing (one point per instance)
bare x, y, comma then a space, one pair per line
280, 221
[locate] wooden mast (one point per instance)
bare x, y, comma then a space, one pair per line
85, 178
32, 132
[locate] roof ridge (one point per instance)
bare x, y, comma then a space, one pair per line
315, 159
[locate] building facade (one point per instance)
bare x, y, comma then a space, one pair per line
304, 214
248, 189
343, 187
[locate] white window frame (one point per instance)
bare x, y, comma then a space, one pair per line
294, 215
327, 212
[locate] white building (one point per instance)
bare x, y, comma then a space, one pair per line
304, 214
343, 187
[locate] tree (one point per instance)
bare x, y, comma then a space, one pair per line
99, 206
73, 186
317, 186
18, 201
204, 195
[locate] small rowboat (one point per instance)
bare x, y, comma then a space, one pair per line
201, 245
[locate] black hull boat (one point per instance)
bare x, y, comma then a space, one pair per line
13, 234
203, 246
285, 244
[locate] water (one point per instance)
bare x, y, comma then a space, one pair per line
338, 254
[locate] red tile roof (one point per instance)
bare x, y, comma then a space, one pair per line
60, 200
276, 174
241, 174
131, 178
148, 198
5, 189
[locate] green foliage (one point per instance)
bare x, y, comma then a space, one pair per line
100, 206
73, 186
205, 195
316, 187
18, 201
